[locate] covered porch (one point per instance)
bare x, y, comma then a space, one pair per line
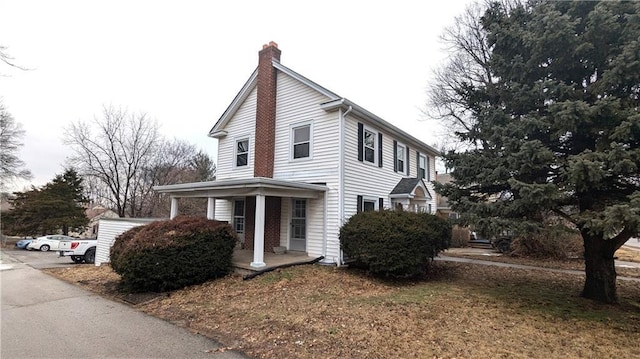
266, 195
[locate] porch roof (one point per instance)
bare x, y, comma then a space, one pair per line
244, 187
406, 188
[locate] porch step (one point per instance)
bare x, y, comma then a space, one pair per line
481, 243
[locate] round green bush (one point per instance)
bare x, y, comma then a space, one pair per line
394, 243
172, 254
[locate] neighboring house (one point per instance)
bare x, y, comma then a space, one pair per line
94, 214
296, 160
443, 207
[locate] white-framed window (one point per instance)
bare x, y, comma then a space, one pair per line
238, 215
370, 140
401, 158
301, 141
242, 152
369, 203
422, 166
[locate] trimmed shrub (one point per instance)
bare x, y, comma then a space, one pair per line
394, 243
168, 255
556, 242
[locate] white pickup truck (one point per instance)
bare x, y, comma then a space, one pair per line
80, 250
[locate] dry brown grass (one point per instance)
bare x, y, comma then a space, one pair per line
461, 311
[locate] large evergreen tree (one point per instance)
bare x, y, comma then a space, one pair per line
556, 128
55, 207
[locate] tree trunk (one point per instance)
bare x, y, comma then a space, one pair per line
600, 283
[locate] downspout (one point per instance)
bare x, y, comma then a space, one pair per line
341, 151
324, 226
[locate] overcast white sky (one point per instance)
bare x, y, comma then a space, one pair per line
182, 62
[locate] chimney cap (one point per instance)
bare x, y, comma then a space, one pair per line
270, 44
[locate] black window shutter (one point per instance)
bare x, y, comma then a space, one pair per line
360, 141
418, 164
380, 204
395, 156
407, 160
359, 204
379, 149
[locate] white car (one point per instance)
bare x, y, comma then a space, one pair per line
45, 243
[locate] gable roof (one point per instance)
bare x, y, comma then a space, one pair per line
335, 101
407, 186
216, 131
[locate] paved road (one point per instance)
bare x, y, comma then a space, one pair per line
633, 243
43, 317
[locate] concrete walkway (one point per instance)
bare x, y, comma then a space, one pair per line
492, 253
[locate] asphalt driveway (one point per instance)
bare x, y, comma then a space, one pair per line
43, 317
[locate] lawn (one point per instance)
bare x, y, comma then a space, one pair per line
460, 311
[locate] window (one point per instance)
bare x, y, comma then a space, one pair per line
428, 170
401, 158
422, 166
301, 141
242, 152
368, 205
369, 146
238, 216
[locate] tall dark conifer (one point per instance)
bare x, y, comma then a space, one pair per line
557, 130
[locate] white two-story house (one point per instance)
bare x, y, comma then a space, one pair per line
296, 160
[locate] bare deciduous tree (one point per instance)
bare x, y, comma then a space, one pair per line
11, 134
8, 60
174, 162
466, 67
114, 149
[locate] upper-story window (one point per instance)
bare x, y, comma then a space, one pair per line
242, 152
301, 141
401, 158
422, 166
369, 145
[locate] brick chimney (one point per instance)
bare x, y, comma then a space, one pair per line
266, 111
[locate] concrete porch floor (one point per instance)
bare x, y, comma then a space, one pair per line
242, 259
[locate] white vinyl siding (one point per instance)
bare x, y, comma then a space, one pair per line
224, 210
296, 105
242, 125
361, 179
109, 229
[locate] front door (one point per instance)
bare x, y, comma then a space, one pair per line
298, 236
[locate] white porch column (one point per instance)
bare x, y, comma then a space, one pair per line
211, 208
258, 234
174, 208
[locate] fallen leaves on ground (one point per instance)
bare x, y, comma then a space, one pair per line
461, 310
